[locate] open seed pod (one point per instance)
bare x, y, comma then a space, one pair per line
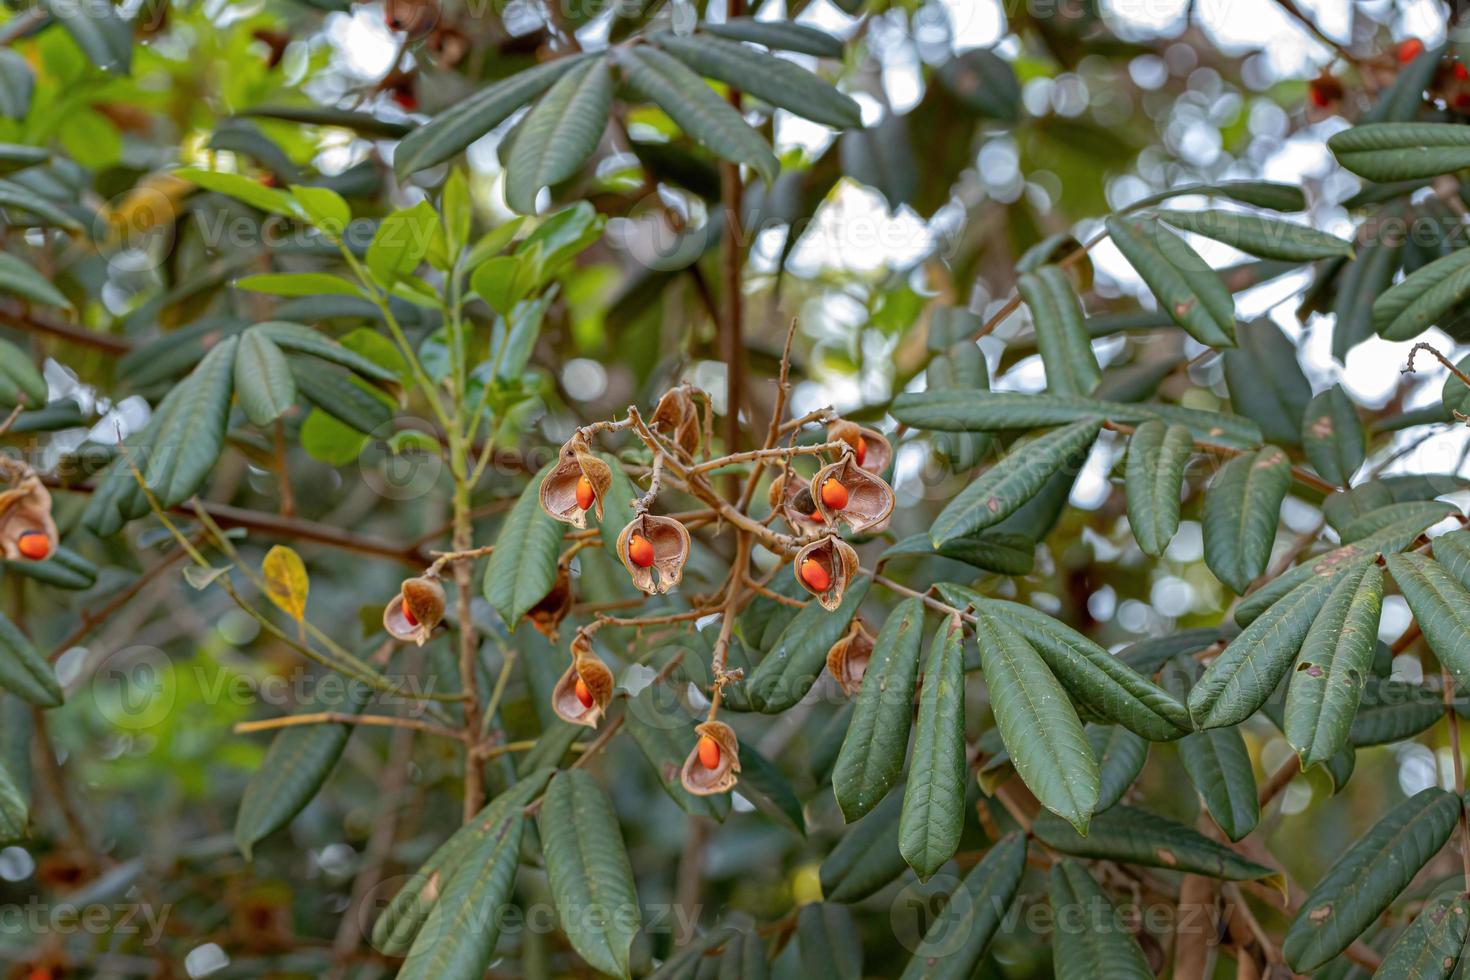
415, 610
653, 550
824, 568
584, 706
677, 415
546, 615
789, 497
847, 661
869, 446
702, 779
559, 489
25, 512
864, 501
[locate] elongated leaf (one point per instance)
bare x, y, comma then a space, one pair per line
1001, 490
304, 340
257, 195
19, 379
1424, 298
663, 733
1242, 509
1361, 282
65, 569
827, 942
690, 961
961, 368
23, 671
263, 379
300, 759
1120, 757
1392, 151
19, 279
591, 879
1147, 656
993, 550
1269, 238
768, 788
1431, 947
952, 947
993, 411
1157, 456
1185, 286
1453, 552
341, 396
694, 106
559, 133
1441, 607
1219, 766
104, 37
800, 654
867, 857
934, 799
1332, 435
1133, 836
1097, 943
1327, 685
1391, 711
459, 126
1037, 722
190, 439
298, 284
1368, 877
14, 811
767, 77
1266, 382
872, 756
778, 34
522, 568
17, 84
1061, 336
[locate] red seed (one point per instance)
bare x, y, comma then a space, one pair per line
34, 545
1461, 72
709, 752
860, 451
816, 515
586, 496
408, 615
1410, 49
584, 694
834, 494
815, 576
640, 551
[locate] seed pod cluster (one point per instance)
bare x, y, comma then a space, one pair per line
844, 492
585, 689
27, 530
578, 483
654, 550
824, 568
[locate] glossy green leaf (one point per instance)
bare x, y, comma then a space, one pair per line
800, 653
263, 381
1331, 669
1424, 298
867, 857
1254, 234
343, 397
1452, 550
1061, 337
1432, 945
1001, 490
1154, 477
1132, 836
189, 439
19, 279
1184, 285
693, 105
403, 239
1120, 757
301, 339
522, 568
1096, 943
1441, 607
953, 945
1259, 193
1332, 435
19, 379
243, 189
1392, 711
23, 671
1391, 151
559, 133
665, 733
1266, 382
1242, 509
1362, 884
1037, 722
827, 942
1219, 766
872, 757
934, 799
784, 35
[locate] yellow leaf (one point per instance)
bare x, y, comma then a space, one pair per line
285, 580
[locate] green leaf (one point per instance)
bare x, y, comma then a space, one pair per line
522, 568
65, 569
992, 551
952, 947
934, 799
1441, 607
298, 284
402, 240
664, 732
503, 281
994, 411
1219, 766
769, 789
460, 125
104, 37
867, 857
1061, 336
562, 236
300, 759
559, 133
23, 671
1337, 657
1242, 509
1392, 151
243, 189
778, 34
19, 279
324, 207
1424, 298
1157, 456
17, 197
1132, 836
694, 106
1360, 283
190, 438
1097, 943
774, 80
1185, 286
591, 879
304, 340
1365, 881
800, 655
14, 815
1452, 550
1258, 193
19, 378
827, 942
1245, 673
1040, 729
1266, 382
960, 368
872, 757
1001, 490
1391, 711
1120, 757
1254, 234
343, 397
17, 84
263, 381
1332, 435
1432, 945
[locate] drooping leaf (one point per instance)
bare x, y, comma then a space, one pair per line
1219, 766
1157, 456
1254, 234
867, 857
1390, 151
827, 942
19, 379
17, 84
286, 582
1184, 285
1120, 757
1441, 607
1061, 336
1332, 435
1097, 943
934, 798
1432, 945
872, 757
953, 945
785, 35
559, 133
769, 790
664, 732
522, 568
263, 380
15, 196
1266, 382
1363, 883
1424, 298
1361, 282
800, 654
189, 439
23, 671
1242, 509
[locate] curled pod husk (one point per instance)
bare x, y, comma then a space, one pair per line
871, 444
848, 659
677, 416
670, 541
415, 610
869, 499
595, 675
721, 779
25, 507
837, 558
559, 489
789, 497
546, 615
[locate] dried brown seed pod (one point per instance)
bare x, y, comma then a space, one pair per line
847, 661
415, 610
559, 492
677, 415
667, 540
546, 615
794, 501
702, 779
866, 501
869, 446
25, 511
825, 567
585, 690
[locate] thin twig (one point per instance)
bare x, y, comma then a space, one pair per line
346, 718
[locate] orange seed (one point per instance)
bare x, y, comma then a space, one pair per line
709, 752
814, 575
408, 615
584, 693
860, 451
34, 545
586, 496
640, 551
834, 494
